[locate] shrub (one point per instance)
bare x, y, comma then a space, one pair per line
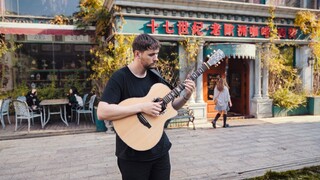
288, 99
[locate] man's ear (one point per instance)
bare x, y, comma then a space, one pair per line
137, 54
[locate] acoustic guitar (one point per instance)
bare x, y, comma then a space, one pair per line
142, 131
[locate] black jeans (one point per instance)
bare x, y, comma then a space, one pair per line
158, 169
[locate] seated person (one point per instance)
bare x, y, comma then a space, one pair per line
32, 99
75, 101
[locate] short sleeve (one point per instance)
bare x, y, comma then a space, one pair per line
112, 92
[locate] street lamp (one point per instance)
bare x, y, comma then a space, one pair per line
311, 61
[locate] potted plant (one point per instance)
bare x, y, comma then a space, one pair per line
287, 103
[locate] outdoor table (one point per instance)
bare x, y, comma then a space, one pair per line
47, 103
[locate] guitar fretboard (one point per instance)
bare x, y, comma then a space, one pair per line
177, 90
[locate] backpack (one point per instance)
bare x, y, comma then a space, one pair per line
79, 100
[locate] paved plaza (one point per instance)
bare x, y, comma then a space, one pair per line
248, 148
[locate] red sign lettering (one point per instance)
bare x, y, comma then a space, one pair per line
168, 26
254, 31
292, 32
153, 26
215, 29
242, 30
282, 32
228, 29
196, 28
183, 28
265, 31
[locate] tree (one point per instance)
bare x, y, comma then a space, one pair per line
309, 24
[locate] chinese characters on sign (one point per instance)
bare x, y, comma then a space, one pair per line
198, 28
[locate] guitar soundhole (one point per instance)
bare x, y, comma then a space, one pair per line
163, 104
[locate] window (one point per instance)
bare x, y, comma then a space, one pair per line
289, 3
168, 62
310, 4
43, 62
46, 8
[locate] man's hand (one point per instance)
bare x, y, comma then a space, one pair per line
189, 87
151, 108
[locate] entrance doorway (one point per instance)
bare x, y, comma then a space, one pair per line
236, 72
238, 80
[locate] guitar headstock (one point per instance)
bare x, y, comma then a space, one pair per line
216, 57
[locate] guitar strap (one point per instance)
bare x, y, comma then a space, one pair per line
156, 72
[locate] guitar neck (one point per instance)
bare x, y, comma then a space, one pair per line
177, 90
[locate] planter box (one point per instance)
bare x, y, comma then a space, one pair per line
100, 125
280, 112
314, 105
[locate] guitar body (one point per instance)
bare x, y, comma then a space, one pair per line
133, 132
144, 136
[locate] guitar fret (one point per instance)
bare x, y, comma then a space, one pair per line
166, 100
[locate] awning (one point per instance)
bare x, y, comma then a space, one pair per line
48, 29
233, 50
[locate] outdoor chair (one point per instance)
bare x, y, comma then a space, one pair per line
4, 110
22, 111
87, 110
74, 109
22, 98
85, 99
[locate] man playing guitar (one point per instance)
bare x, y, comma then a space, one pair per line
132, 81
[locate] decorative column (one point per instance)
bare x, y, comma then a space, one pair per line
199, 107
199, 82
257, 74
261, 107
265, 75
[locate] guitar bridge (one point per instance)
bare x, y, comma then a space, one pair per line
143, 120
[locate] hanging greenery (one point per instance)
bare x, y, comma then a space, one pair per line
5, 47
309, 24
283, 77
191, 46
109, 57
93, 13
60, 20
169, 69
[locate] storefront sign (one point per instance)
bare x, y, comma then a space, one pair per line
198, 28
40, 37
76, 39
206, 28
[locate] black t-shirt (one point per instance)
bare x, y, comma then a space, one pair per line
123, 85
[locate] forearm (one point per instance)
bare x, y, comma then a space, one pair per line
112, 112
179, 102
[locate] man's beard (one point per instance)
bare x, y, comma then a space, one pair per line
152, 66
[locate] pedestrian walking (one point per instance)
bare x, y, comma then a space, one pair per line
222, 101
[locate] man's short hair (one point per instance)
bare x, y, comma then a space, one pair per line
144, 42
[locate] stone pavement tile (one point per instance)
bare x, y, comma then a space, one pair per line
89, 173
69, 169
179, 173
220, 153
12, 170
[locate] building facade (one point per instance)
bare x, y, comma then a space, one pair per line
47, 52
239, 28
